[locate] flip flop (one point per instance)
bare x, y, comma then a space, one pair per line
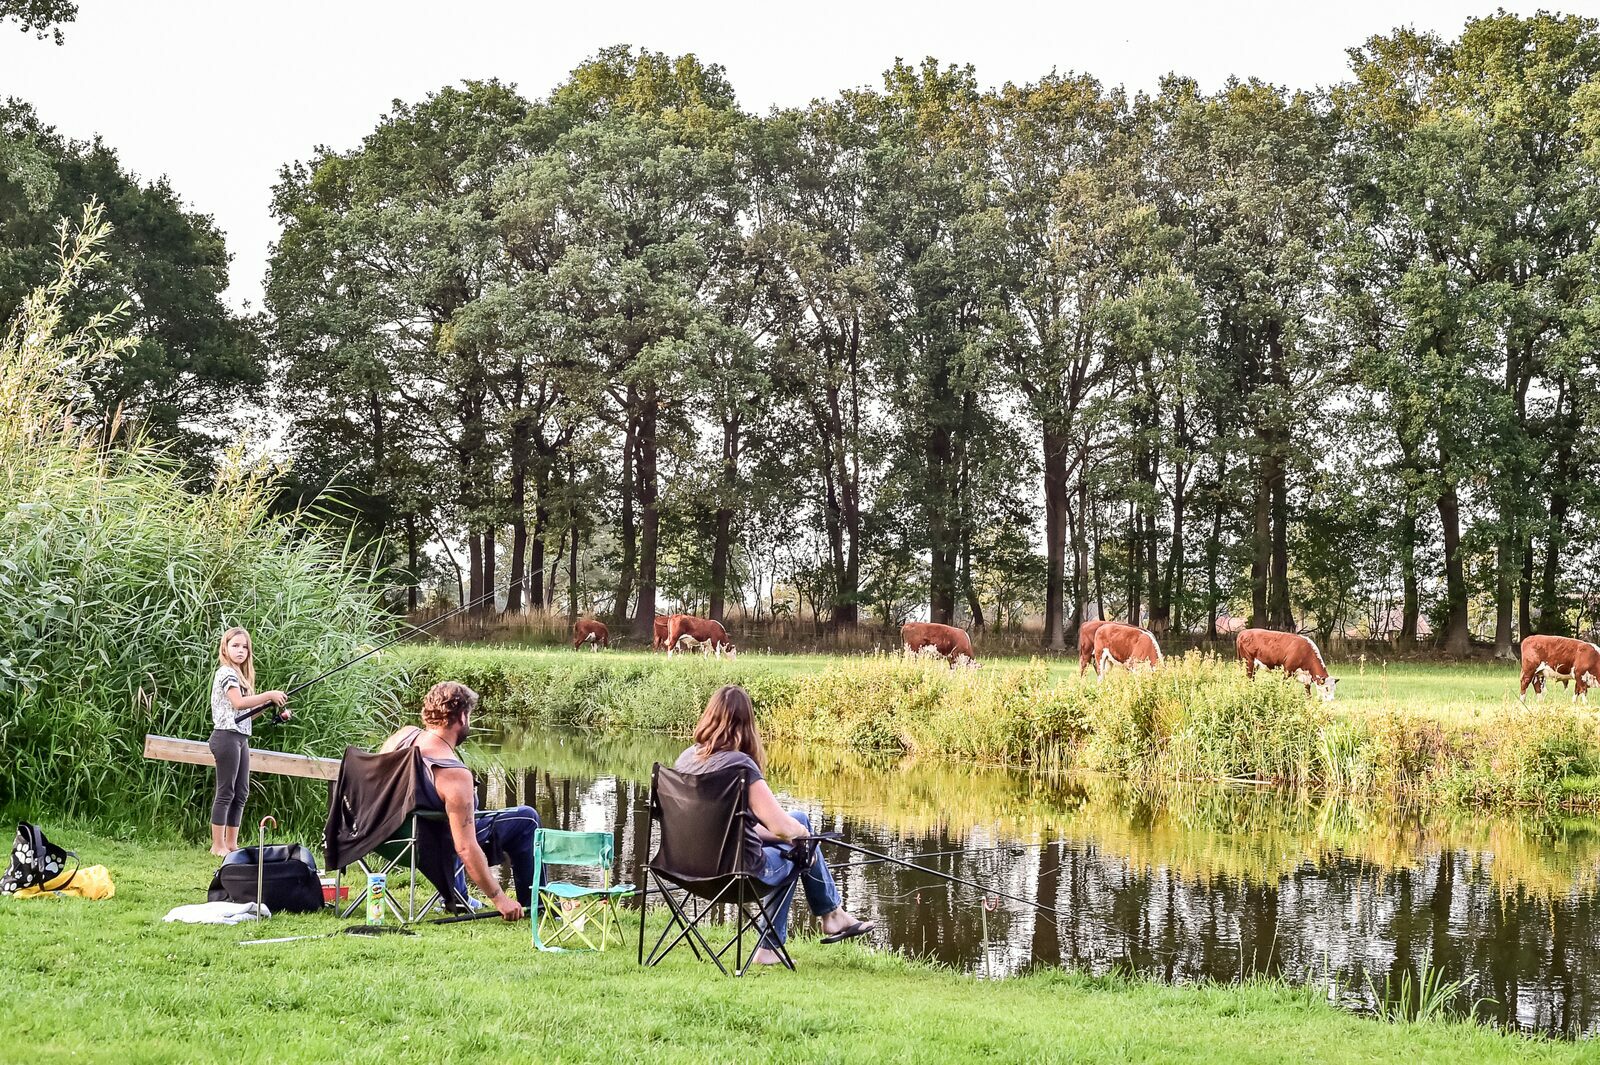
860, 928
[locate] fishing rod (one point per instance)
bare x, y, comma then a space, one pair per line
973, 884
1013, 848
372, 929
484, 598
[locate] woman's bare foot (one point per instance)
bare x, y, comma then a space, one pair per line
838, 921
763, 956
220, 853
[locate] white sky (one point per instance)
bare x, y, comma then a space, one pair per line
218, 95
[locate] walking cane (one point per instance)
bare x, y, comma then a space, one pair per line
261, 861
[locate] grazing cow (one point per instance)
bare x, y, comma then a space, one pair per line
1086, 644
708, 636
1123, 645
941, 641
1562, 658
1291, 652
590, 632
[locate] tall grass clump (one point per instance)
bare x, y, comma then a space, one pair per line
1201, 718
600, 691
116, 583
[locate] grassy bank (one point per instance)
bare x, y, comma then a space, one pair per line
1198, 718
108, 982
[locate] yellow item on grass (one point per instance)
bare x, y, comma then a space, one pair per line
90, 882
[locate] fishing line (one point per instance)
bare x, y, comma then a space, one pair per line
974, 885
486, 597
1013, 848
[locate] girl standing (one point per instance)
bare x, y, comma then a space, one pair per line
231, 696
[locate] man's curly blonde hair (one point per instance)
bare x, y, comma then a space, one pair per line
447, 703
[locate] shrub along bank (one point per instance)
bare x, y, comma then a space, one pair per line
116, 583
1197, 718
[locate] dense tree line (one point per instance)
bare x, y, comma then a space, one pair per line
195, 367
1320, 359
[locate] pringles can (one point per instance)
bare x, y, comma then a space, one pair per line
377, 890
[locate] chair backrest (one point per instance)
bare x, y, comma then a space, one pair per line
705, 824
372, 796
552, 846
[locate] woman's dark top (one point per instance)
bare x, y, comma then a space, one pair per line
690, 762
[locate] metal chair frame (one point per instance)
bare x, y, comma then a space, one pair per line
741, 889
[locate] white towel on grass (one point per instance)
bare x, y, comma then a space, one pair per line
216, 913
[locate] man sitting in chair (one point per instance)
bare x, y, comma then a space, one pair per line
446, 712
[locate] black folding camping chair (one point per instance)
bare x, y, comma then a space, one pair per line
376, 821
704, 859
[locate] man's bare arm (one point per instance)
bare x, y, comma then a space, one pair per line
455, 788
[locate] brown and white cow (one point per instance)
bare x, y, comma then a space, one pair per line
1546, 657
1123, 645
698, 633
1086, 644
1291, 652
590, 632
938, 641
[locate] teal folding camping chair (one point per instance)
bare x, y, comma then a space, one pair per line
565, 915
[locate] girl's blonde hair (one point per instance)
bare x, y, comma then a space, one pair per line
247, 671
729, 724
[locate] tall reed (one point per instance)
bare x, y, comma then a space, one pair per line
116, 583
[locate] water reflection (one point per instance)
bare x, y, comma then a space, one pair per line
1188, 884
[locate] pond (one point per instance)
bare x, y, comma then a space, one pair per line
1187, 884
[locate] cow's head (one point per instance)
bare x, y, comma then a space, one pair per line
962, 661
1327, 685
730, 647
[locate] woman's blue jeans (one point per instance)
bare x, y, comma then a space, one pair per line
821, 894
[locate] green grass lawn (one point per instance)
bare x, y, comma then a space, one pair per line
107, 981
1460, 694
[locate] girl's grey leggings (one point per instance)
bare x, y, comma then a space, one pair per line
232, 752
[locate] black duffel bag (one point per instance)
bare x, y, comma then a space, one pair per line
288, 875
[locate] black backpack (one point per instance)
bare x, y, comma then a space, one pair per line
288, 874
35, 861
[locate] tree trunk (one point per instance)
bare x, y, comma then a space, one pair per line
1077, 519
943, 548
1505, 568
1261, 542
973, 603
1055, 538
489, 561
722, 533
474, 570
519, 544
1551, 619
1278, 592
1457, 637
619, 611
1173, 582
572, 575
1135, 567
1279, 613
1525, 589
650, 519
1411, 607
413, 550
541, 529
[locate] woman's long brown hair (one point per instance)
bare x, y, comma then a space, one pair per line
729, 724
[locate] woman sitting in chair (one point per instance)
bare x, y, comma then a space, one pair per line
726, 736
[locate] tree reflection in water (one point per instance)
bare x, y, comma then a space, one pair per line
1186, 883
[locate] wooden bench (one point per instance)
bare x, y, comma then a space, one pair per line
194, 752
